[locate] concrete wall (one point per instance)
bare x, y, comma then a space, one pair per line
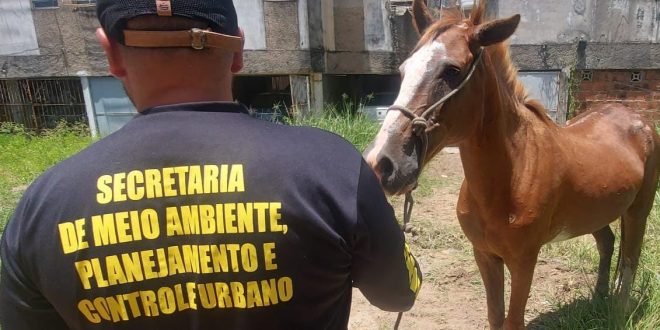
362, 39
568, 21
554, 35
64, 43
360, 25
349, 25
362, 36
17, 28
67, 46
588, 20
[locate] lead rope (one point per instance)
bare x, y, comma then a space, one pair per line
407, 212
398, 321
421, 128
407, 227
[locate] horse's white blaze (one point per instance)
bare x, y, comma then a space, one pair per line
418, 69
379, 142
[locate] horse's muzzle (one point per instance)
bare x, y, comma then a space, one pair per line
396, 177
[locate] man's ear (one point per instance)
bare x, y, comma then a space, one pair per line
112, 52
496, 31
237, 62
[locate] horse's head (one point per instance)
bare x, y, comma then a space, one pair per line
444, 60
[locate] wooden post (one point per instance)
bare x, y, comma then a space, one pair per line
300, 98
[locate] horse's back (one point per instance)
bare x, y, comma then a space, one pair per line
611, 151
615, 126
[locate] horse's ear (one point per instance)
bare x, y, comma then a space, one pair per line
422, 17
496, 31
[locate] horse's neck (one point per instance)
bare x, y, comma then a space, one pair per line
506, 142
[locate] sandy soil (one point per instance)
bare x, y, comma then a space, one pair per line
452, 294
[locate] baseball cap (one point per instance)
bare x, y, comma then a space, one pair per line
219, 14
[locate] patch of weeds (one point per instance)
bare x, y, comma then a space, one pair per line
584, 311
351, 125
435, 235
25, 154
578, 253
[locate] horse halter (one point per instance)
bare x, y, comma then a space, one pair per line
422, 125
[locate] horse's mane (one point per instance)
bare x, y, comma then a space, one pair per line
499, 54
500, 57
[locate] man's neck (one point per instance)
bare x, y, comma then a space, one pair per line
173, 94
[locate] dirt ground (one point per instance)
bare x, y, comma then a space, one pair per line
452, 294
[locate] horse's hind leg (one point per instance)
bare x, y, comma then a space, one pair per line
605, 243
632, 235
633, 226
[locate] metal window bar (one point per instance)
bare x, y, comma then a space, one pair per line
42, 103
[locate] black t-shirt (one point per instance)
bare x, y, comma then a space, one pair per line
197, 216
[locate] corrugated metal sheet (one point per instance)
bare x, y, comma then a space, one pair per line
543, 86
112, 107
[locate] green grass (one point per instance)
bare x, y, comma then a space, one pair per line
582, 311
355, 128
25, 155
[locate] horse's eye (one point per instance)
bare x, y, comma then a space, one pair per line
451, 72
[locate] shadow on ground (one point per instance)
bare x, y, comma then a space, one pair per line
589, 313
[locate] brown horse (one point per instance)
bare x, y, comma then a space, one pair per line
528, 181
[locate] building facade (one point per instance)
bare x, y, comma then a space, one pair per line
306, 53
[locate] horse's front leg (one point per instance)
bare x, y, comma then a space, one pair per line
491, 268
522, 273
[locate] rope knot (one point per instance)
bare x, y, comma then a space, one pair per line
420, 125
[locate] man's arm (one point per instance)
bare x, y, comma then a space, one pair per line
22, 306
383, 268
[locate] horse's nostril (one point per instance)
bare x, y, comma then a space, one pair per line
386, 169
